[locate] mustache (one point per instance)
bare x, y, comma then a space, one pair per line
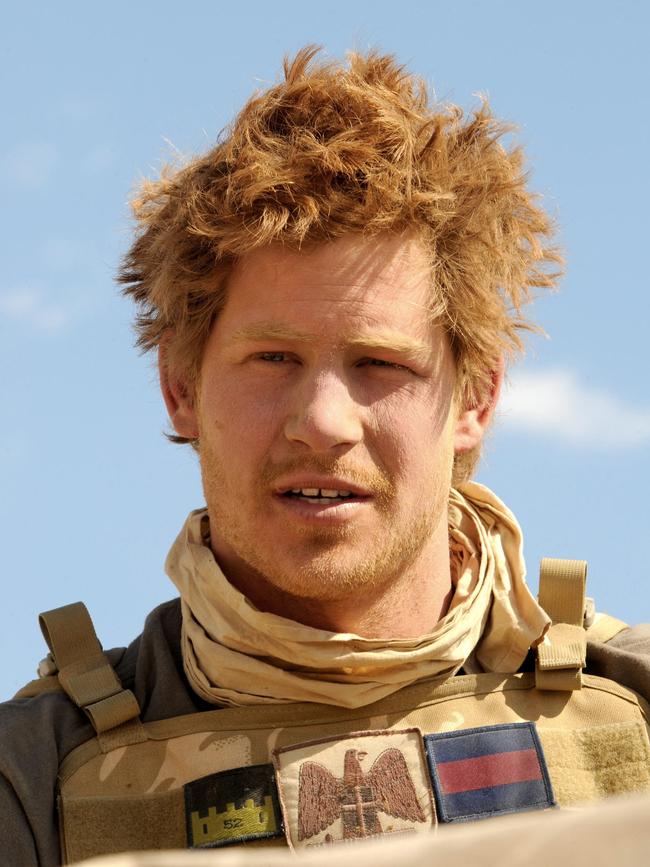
374, 480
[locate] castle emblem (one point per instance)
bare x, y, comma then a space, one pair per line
233, 806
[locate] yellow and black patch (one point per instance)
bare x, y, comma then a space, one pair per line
232, 807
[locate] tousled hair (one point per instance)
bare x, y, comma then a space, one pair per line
335, 149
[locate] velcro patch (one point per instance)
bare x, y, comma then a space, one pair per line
488, 771
232, 807
348, 788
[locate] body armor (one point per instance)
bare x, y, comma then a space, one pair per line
468, 747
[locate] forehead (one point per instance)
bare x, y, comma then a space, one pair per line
385, 278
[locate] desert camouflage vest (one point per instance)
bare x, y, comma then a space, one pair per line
305, 775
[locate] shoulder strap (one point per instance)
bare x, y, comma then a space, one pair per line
39, 686
85, 672
605, 627
561, 656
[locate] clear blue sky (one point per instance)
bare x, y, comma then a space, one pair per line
94, 96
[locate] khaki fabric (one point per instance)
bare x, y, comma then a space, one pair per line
594, 739
236, 655
37, 733
614, 833
605, 627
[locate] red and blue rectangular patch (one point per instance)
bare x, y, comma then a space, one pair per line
488, 771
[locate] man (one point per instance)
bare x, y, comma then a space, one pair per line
333, 291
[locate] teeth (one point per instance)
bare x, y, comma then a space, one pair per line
321, 493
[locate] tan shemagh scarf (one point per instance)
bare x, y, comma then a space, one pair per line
234, 654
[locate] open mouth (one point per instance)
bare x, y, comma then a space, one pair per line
322, 496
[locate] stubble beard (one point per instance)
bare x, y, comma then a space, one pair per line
322, 564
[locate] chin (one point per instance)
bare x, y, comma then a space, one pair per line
326, 579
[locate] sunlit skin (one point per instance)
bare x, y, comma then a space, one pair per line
324, 370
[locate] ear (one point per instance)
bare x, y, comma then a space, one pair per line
473, 421
178, 396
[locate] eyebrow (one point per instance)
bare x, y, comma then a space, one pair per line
383, 339
270, 331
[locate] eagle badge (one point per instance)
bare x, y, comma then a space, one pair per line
348, 788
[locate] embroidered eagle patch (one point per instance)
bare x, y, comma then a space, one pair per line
363, 785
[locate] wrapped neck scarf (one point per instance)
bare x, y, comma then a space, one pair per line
234, 654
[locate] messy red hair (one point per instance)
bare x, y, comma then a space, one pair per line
335, 149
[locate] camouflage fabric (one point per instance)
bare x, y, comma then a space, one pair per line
595, 742
36, 735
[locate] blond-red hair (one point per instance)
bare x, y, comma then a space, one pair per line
336, 149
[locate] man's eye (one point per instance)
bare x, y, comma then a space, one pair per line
381, 362
272, 356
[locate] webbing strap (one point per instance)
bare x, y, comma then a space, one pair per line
69, 633
89, 680
112, 711
562, 585
84, 671
561, 656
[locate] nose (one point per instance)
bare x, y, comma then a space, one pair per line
324, 415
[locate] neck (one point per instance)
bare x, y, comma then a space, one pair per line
405, 606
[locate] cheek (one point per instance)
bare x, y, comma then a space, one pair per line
390, 439
416, 430
239, 415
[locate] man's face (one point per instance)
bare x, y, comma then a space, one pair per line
326, 418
